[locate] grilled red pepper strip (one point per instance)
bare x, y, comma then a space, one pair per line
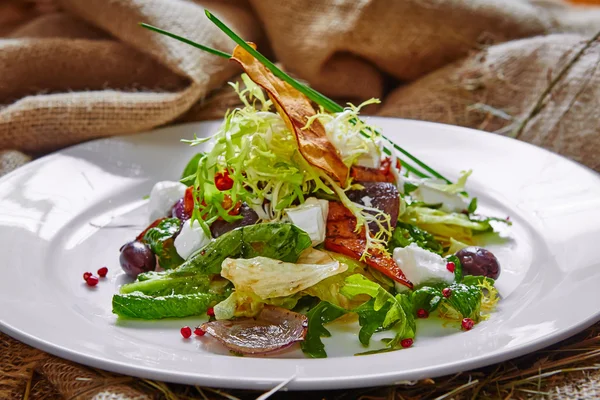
342, 238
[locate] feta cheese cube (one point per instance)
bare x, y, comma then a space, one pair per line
421, 266
311, 217
190, 239
163, 197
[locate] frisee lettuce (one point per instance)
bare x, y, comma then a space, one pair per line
258, 151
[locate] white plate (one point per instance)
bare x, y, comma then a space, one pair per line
52, 212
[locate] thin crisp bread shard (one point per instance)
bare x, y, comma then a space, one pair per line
295, 108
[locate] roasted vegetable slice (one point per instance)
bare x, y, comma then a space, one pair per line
275, 328
343, 238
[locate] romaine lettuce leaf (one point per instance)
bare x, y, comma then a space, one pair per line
161, 284
139, 305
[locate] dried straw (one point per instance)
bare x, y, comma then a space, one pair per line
568, 369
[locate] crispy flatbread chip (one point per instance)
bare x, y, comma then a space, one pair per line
295, 108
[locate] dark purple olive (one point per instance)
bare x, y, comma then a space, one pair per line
136, 258
478, 261
249, 217
178, 210
381, 195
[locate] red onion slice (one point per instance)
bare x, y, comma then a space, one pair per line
274, 328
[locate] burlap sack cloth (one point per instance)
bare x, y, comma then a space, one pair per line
83, 69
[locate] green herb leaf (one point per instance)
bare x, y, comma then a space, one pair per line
188, 176
160, 239
427, 298
405, 234
472, 206
318, 316
463, 302
409, 187
486, 220
458, 269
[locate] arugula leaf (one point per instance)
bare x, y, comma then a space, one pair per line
318, 316
409, 327
142, 306
405, 234
381, 312
161, 240
188, 176
370, 320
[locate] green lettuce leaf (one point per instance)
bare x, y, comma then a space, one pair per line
329, 288
464, 302
269, 278
161, 239
248, 304
453, 188
428, 216
142, 306
405, 234
161, 284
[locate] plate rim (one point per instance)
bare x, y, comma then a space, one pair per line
313, 383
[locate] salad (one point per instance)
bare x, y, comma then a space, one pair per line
297, 217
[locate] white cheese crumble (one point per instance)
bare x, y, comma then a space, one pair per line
421, 266
311, 217
367, 201
190, 239
163, 197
